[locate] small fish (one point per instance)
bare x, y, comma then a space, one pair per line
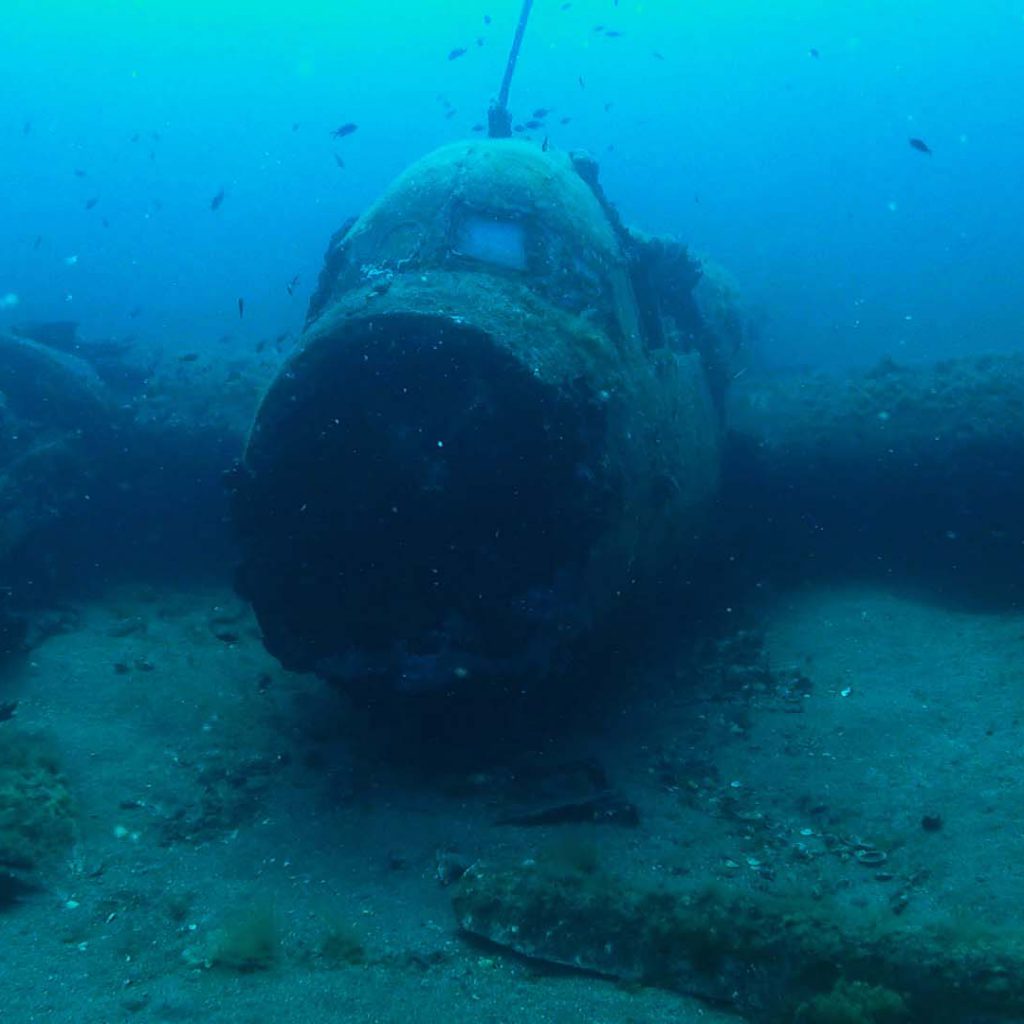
70, 261
565, 6
344, 129
921, 146
241, 308
292, 284
518, 128
339, 162
450, 114
657, 55
564, 120
480, 40
487, 19
7, 710
188, 357
135, 312
813, 51
79, 173
544, 145
599, 28
135, 137
534, 125
456, 53
217, 200
90, 203
614, 33
477, 128
540, 113
26, 128
579, 78
38, 242
295, 126
105, 222
608, 106
608, 807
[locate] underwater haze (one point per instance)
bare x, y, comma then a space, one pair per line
772, 137
554, 563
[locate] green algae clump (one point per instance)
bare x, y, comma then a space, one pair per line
247, 941
341, 945
854, 1002
36, 815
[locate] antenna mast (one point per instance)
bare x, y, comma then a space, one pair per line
499, 120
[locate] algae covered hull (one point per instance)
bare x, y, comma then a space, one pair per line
773, 958
476, 451
914, 468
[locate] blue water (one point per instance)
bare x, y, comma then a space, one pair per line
773, 137
535, 579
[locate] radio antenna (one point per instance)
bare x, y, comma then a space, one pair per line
499, 120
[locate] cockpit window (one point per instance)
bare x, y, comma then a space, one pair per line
500, 242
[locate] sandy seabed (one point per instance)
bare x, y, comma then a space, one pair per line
211, 788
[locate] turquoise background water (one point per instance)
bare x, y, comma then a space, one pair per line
791, 169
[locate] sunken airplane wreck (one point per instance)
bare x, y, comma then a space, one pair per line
506, 419
508, 415
504, 413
